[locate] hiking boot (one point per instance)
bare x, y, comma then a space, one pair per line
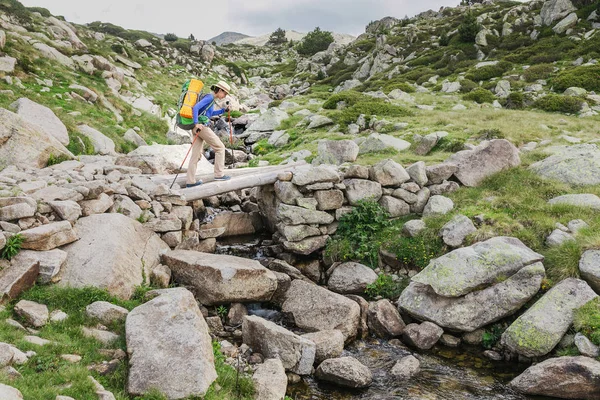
223, 178
189, 185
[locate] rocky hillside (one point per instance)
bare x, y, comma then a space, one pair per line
427, 212
293, 36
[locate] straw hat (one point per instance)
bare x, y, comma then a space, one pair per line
223, 86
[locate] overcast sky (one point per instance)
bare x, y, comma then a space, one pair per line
208, 18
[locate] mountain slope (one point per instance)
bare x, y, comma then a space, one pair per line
339, 38
227, 37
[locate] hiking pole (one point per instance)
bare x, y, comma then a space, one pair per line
183, 162
230, 133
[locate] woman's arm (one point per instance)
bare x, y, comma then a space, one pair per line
201, 105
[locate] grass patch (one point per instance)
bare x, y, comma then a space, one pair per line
587, 320
47, 375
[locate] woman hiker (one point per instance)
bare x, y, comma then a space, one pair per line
202, 113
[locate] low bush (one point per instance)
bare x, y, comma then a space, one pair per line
587, 77
386, 287
12, 246
540, 71
467, 85
480, 95
357, 234
489, 71
559, 103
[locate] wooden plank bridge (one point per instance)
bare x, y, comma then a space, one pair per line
242, 178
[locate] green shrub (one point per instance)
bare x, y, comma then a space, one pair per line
357, 233
404, 86
350, 97
587, 77
489, 71
489, 134
80, 144
449, 144
44, 11
515, 41
365, 45
515, 101
559, 103
385, 287
444, 39
53, 160
480, 95
182, 45
540, 71
467, 85
12, 246
314, 42
492, 335
468, 29
415, 253
262, 147
117, 48
587, 320
275, 103
171, 37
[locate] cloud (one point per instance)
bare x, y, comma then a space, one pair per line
207, 19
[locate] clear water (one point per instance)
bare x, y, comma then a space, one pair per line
452, 374
446, 373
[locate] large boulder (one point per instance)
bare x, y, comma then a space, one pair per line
542, 326
345, 371
589, 267
293, 215
43, 118
384, 320
17, 277
553, 10
362, 189
388, 173
102, 144
578, 200
484, 160
562, 377
49, 236
314, 308
270, 380
378, 142
9, 393
24, 144
455, 231
221, 279
575, 165
268, 121
111, 253
319, 174
336, 152
351, 278
566, 23
330, 344
476, 309
297, 354
464, 270
422, 336
169, 346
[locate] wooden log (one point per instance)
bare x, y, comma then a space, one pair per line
168, 179
236, 183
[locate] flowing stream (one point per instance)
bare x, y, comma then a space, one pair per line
445, 373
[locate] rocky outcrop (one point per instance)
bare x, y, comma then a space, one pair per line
476, 309
270, 381
484, 160
45, 120
575, 165
314, 308
297, 354
24, 144
464, 270
562, 377
330, 344
542, 326
221, 279
172, 318
554, 10
111, 253
589, 267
